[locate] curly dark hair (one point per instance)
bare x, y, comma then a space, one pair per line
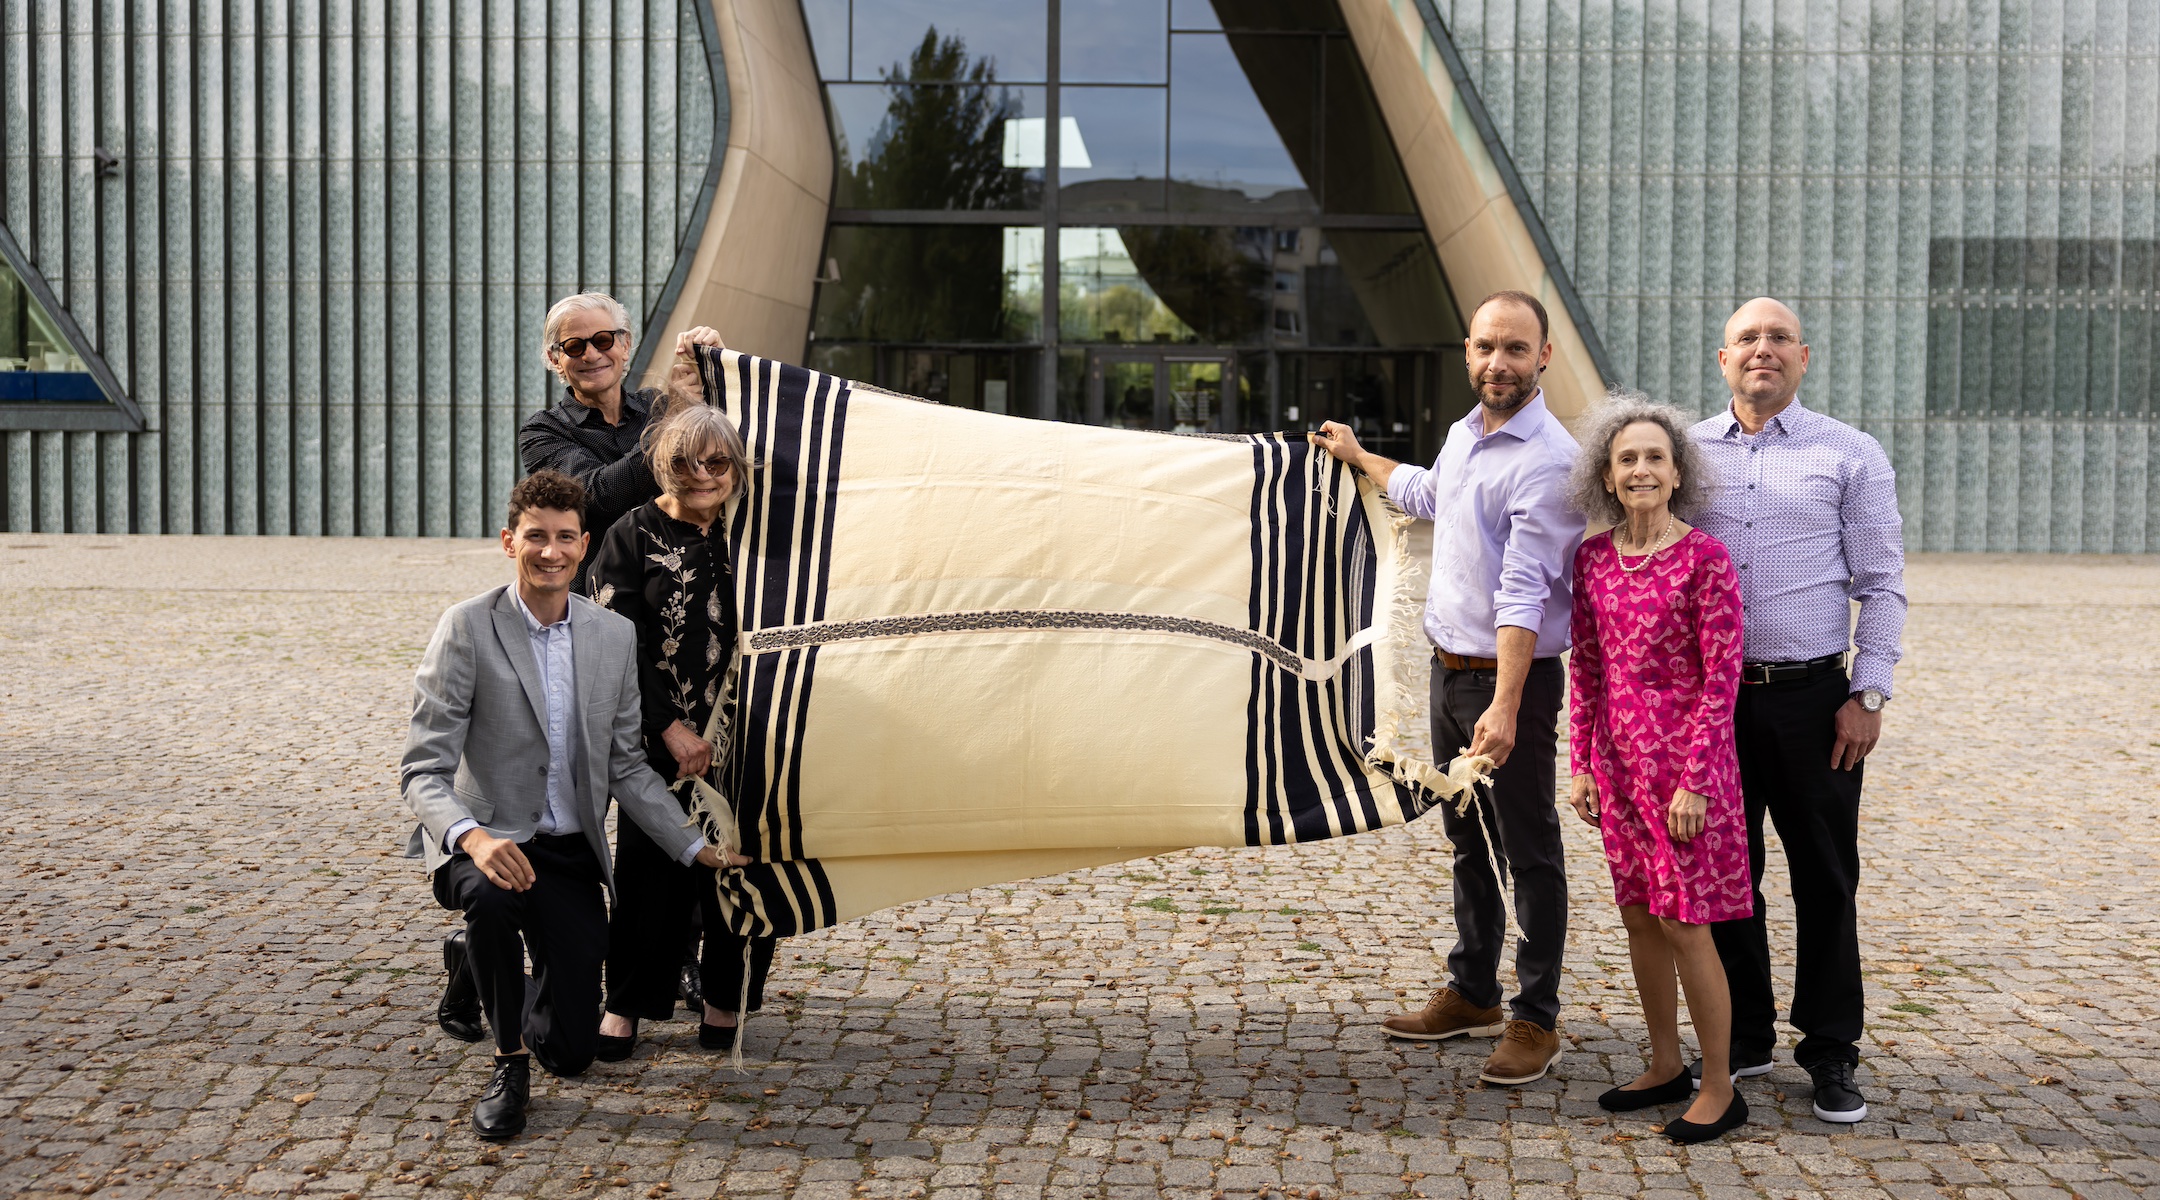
546, 489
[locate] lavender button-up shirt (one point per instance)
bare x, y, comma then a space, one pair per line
1808, 510
1504, 537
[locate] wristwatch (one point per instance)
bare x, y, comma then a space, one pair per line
1871, 700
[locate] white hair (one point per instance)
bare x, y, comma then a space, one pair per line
1586, 483
551, 329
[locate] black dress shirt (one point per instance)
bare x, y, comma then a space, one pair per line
575, 439
676, 585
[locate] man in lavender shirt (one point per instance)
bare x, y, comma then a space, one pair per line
1497, 614
1807, 506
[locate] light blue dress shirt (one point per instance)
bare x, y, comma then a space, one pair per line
1504, 537
1808, 509
552, 653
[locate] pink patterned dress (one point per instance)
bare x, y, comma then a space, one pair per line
1652, 684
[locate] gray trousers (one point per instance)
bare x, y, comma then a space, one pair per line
1513, 827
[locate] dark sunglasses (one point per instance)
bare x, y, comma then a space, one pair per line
602, 341
716, 466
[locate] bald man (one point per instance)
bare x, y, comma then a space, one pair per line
1807, 506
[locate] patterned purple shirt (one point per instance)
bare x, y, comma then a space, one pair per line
1808, 509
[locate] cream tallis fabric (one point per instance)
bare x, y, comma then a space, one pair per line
978, 648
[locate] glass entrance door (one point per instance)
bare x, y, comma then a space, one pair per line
1176, 392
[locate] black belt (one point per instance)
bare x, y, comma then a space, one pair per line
1780, 672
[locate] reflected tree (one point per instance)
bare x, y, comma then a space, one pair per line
940, 146
1215, 279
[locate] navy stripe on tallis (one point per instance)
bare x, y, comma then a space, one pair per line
1319, 633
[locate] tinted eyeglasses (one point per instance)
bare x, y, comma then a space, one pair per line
716, 466
602, 341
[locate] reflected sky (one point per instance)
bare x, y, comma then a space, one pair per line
1013, 34
1123, 129
1220, 136
828, 22
1112, 41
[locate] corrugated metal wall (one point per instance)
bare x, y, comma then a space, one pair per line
1960, 196
322, 262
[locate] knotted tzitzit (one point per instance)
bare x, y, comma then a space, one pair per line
1457, 783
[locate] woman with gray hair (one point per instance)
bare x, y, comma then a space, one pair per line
1652, 684
667, 567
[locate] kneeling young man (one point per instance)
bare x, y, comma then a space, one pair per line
525, 720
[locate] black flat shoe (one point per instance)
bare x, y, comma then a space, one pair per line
1687, 1133
500, 1112
609, 1048
716, 1037
459, 1013
1679, 1087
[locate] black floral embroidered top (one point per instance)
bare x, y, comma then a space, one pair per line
676, 585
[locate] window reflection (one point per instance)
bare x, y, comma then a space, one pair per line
1103, 297
932, 283
1122, 129
1229, 150
944, 146
1362, 174
828, 24
36, 362
1112, 41
1010, 36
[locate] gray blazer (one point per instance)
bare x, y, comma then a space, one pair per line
478, 746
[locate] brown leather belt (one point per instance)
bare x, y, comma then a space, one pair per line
1457, 662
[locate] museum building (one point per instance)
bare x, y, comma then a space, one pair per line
281, 268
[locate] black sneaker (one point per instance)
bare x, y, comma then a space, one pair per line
1837, 1097
1740, 1071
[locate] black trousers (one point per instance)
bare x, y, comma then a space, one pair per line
1785, 732
654, 897
562, 921
1514, 826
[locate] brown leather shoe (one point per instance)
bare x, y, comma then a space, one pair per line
1449, 1015
1526, 1051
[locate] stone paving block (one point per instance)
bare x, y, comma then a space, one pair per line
171, 979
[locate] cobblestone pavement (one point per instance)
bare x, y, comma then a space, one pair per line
216, 976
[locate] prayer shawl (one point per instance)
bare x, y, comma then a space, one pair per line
980, 648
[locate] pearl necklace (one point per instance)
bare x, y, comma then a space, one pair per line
1656, 545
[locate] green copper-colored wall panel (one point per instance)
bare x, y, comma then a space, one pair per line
1688, 154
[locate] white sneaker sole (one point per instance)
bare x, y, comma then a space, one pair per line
1695, 1084
1522, 1079
1465, 1031
1853, 1117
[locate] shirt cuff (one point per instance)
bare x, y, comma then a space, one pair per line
1398, 482
690, 856
457, 831
1521, 616
1870, 672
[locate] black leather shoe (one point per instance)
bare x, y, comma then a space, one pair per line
1837, 1097
1687, 1133
690, 987
500, 1112
1629, 1099
459, 1013
609, 1048
1740, 1071
716, 1037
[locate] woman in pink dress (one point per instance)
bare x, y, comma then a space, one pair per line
1652, 684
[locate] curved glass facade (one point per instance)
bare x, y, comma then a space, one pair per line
1180, 216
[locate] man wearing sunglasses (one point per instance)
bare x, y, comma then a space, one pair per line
592, 433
